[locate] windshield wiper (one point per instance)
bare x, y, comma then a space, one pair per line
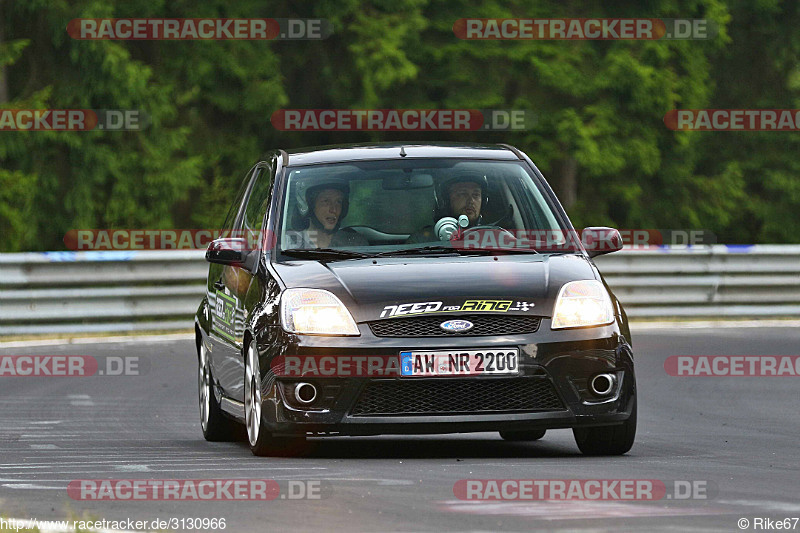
517, 251
329, 254
433, 250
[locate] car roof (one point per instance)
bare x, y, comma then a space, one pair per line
376, 151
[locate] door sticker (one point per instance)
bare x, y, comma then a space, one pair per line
224, 314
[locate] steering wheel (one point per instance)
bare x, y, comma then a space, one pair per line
473, 229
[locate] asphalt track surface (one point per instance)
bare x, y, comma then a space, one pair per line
739, 435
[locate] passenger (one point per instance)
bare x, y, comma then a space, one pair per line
328, 203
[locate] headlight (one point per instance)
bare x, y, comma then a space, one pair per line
315, 312
582, 303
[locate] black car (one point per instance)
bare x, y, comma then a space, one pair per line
409, 289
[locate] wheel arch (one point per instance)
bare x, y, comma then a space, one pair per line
198, 339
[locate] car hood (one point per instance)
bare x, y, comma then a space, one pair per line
395, 287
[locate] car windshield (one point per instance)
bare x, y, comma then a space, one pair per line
417, 207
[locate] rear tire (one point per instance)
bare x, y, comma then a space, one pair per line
529, 435
607, 440
262, 442
215, 425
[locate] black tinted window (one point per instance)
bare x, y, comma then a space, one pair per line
258, 201
233, 213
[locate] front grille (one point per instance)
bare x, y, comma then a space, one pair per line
456, 396
428, 326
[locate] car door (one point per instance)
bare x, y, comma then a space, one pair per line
222, 330
231, 285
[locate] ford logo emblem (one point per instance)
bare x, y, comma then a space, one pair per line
456, 326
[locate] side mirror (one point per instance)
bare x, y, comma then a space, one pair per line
227, 251
601, 240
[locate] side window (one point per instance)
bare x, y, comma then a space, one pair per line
258, 203
233, 213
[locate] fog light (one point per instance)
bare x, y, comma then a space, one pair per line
603, 384
305, 393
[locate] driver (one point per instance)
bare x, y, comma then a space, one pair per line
466, 198
328, 203
462, 194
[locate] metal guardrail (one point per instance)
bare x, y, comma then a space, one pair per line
74, 292
709, 281
77, 292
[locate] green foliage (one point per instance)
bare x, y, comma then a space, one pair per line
599, 108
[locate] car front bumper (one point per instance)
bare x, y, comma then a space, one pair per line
560, 363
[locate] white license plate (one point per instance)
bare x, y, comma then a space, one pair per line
459, 363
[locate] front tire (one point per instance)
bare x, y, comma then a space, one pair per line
262, 442
607, 440
215, 425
